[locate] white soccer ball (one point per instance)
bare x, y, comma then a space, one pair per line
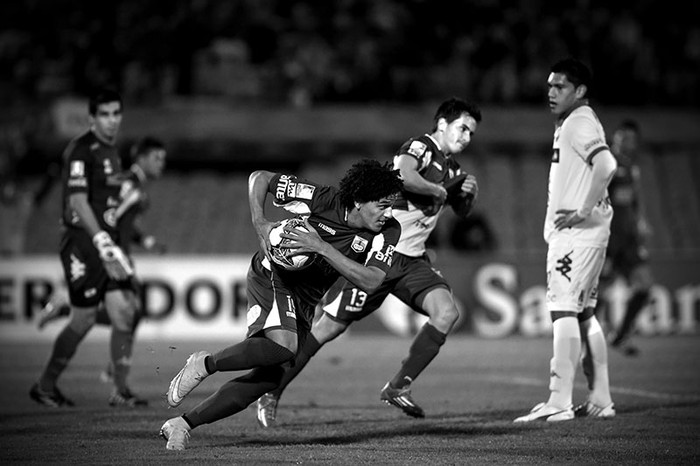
284, 256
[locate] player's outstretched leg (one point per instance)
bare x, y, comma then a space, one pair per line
188, 378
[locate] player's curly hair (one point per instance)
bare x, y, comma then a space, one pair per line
369, 180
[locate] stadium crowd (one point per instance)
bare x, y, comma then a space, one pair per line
312, 51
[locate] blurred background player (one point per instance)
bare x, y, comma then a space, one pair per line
148, 156
627, 255
95, 268
576, 229
429, 169
351, 232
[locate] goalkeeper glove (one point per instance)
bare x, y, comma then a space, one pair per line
115, 261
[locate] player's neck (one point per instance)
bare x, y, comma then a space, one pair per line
107, 140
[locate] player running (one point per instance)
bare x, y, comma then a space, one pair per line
432, 179
351, 231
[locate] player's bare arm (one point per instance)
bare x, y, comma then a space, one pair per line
366, 278
258, 183
414, 182
604, 167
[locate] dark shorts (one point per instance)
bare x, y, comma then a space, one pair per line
85, 275
272, 304
409, 279
624, 254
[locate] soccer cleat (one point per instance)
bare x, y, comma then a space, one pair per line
545, 412
176, 432
267, 409
54, 399
188, 378
52, 311
126, 398
589, 409
401, 398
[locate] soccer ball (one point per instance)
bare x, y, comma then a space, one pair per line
283, 256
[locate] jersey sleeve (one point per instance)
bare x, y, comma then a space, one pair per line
295, 195
586, 139
383, 246
78, 163
416, 149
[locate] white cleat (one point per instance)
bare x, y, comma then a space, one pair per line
266, 408
188, 378
589, 409
176, 432
545, 412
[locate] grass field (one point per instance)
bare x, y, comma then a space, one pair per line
331, 414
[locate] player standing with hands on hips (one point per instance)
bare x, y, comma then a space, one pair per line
576, 229
95, 268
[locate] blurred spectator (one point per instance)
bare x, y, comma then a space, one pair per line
313, 51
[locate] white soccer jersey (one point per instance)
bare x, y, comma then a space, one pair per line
577, 140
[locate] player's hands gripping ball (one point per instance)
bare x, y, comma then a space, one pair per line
115, 261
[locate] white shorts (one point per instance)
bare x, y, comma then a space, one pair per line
572, 277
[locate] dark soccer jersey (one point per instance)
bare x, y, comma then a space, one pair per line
328, 217
433, 165
92, 167
133, 202
623, 197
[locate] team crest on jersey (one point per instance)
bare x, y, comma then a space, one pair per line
110, 217
107, 165
77, 169
359, 244
417, 148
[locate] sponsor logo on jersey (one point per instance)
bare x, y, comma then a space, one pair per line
593, 143
417, 148
359, 244
77, 268
281, 189
437, 165
89, 293
326, 228
304, 191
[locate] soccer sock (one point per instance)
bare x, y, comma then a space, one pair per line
310, 348
566, 350
248, 354
63, 350
235, 395
599, 382
634, 305
120, 345
424, 348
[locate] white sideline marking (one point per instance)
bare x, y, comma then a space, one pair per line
516, 380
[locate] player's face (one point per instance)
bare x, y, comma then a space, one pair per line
625, 142
107, 120
562, 94
457, 134
374, 214
154, 163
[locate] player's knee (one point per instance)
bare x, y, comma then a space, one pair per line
82, 320
326, 329
124, 318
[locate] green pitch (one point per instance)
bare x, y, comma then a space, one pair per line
332, 415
